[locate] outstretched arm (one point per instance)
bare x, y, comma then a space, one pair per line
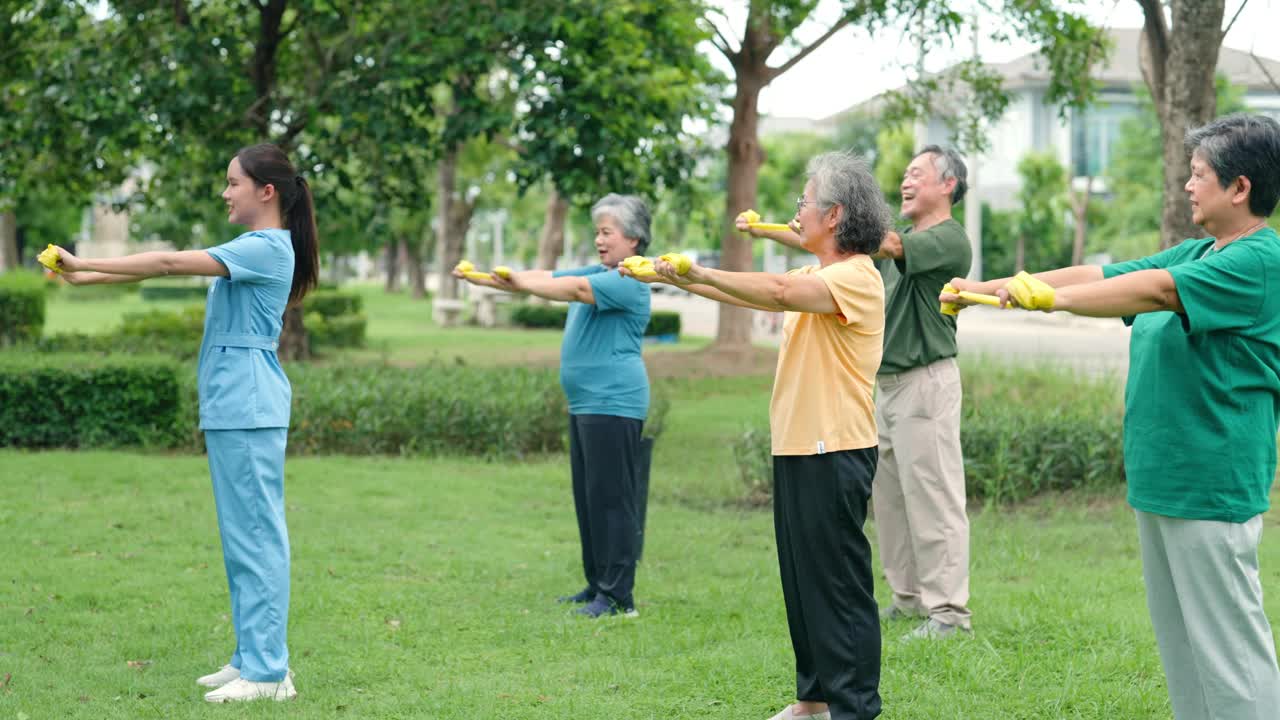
148, 264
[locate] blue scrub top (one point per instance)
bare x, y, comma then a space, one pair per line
241, 383
601, 369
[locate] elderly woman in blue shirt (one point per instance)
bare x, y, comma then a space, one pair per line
604, 378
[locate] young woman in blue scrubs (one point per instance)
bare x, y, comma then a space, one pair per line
244, 397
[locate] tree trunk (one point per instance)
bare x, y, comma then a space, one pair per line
551, 242
745, 158
295, 344
392, 254
1179, 65
1020, 254
412, 250
9, 241
1080, 211
449, 244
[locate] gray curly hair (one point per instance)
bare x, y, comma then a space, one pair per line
844, 179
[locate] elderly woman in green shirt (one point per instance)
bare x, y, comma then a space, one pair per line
1202, 409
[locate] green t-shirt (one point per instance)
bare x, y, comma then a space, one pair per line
1202, 402
915, 333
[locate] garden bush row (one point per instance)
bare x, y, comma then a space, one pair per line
22, 305
333, 320
83, 401
661, 322
1024, 431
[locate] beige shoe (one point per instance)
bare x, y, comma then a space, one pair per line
241, 690
786, 714
219, 678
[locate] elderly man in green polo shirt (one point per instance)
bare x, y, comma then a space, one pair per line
919, 488
1202, 408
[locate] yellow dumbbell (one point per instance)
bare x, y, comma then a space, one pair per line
774, 227
679, 261
503, 272
1031, 293
640, 266
49, 258
947, 308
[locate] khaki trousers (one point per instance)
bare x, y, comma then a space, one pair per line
919, 495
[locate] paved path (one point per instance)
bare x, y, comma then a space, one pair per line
1085, 343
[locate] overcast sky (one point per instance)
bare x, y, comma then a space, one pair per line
852, 66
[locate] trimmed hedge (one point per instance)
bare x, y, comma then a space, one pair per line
434, 410
180, 326
661, 322
77, 401
1023, 432
335, 319
99, 293
81, 401
540, 316
151, 291
332, 303
338, 331
22, 306
114, 343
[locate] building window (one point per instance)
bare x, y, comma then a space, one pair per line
1094, 132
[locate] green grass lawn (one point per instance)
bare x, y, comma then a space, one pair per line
422, 588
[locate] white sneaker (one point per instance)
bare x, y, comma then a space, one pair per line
219, 678
240, 690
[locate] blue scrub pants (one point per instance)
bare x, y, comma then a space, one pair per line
248, 487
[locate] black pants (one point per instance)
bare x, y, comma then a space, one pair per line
819, 508
603, 450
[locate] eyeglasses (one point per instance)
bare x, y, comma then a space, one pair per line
801, 202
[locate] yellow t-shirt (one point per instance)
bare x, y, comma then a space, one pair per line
823, 390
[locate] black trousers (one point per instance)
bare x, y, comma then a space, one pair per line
603, 453
819, 509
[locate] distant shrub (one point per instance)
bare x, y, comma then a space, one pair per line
22, 306
1023, 432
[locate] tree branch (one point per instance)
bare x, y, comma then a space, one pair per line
724, 46
1155, 32
775, 72
1262, 66
1235, 17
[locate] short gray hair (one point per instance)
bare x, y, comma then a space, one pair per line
630, 212
844, 179
1241, 145
949, 165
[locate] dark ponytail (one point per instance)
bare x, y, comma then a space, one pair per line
267, 164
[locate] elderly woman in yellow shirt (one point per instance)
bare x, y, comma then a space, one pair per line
822, 420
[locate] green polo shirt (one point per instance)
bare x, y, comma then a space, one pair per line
915, 333
1202, 402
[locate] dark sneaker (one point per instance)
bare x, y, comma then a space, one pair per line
603, 606
584, 596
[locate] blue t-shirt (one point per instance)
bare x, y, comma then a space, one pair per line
601, 369
240, 381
